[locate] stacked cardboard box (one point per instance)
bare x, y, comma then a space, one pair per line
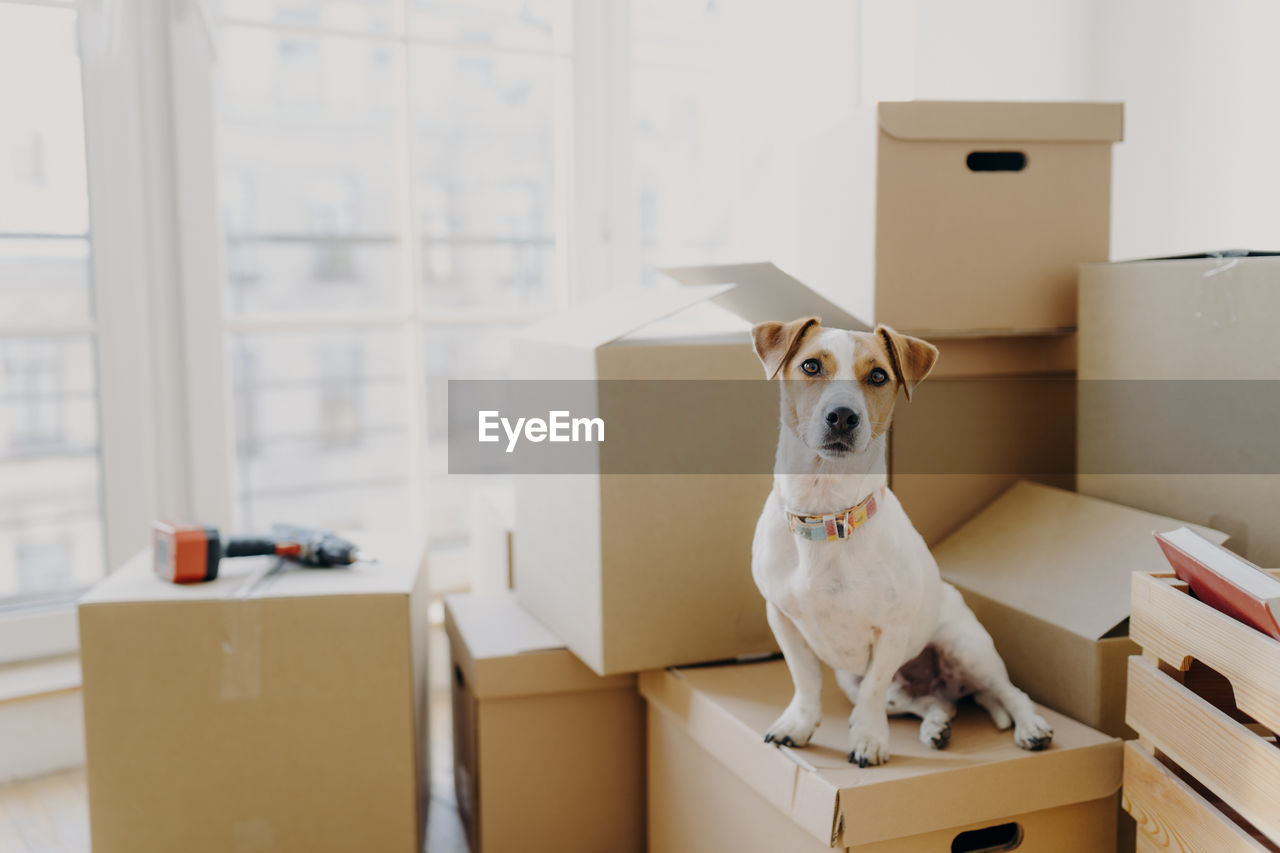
967, 224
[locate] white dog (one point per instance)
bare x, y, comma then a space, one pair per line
846, 577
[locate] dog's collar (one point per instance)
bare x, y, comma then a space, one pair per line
835, 525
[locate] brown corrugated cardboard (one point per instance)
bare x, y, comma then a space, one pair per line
714, 784
993, 411
548, 756
1047, 572
896, 224
281, 711
1199, 318
621, 593
624, 567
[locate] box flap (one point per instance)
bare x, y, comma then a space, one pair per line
762, 292
395, 573
611, 315
980, 776
1003, 121
504, 651
1060, 556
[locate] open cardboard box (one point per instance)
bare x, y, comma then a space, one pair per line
958, 217
548, 756
635, 571
1047, 572
715, 785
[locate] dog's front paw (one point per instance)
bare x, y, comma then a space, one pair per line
1033, 734
868, 747
794, 727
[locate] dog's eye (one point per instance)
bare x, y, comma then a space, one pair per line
878, 376
811, 366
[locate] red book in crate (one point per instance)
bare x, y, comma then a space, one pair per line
1223, 580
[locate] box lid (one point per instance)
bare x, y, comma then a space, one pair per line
980, 776
503, 651
1062, 557
756, 292
762, 292
605, 318
395, 573
1007, 121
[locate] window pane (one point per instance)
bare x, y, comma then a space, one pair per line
309, 184
484, 154
51, 538
321, 435
533, 24
44, 280
482, 352
353, 15
50, 526
44, 213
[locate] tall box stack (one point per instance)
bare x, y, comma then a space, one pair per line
265, 710
964, 223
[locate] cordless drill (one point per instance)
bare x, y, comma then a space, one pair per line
190, 553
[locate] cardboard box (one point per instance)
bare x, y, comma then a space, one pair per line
259, 711
627, 568
993, 411
548, 756
622, 594
714, 785
492, 538
1047, 573
1151, 434
908, 213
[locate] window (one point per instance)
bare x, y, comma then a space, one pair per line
350, 203
51, 526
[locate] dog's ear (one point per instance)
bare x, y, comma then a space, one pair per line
912, 358
776, 342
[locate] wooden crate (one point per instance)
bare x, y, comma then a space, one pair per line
1204, 699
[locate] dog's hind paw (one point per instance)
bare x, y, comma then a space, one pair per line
1034, 734
935, 734
793, 728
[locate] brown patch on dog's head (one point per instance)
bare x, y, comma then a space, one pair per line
776, 342
834, 376
913, 358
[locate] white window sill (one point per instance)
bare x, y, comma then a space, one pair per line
44, 677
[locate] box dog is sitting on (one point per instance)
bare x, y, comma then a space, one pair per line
846, 577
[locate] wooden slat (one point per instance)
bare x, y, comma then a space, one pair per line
1177, 628
1171, 816
1225, 756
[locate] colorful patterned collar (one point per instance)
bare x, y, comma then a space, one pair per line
835, 525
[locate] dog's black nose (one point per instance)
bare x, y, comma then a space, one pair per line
842, 420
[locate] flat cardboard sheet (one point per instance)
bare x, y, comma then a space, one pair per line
762, 292
1062, 557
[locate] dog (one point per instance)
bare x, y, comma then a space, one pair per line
846, 578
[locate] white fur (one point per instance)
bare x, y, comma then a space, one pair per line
870, 603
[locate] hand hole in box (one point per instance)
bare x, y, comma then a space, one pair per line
996, 161
989, 839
